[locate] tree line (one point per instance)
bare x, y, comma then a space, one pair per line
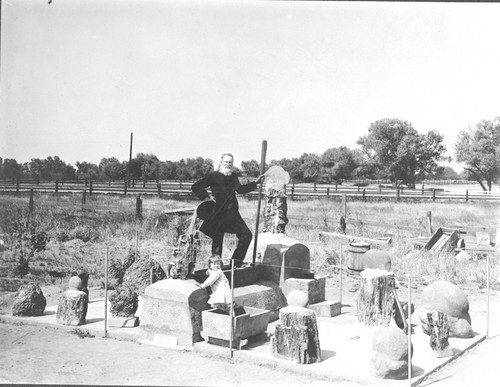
391, 150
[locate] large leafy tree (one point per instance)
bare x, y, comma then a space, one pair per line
250, 168
87, 170
340, 164
10, 169
400, 153
111, 168
479, 149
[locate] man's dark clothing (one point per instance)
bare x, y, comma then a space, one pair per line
226, 217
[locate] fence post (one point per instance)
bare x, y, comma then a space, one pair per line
138, 207
422, 189
328, 193
314, 186
84, 197
397, 198
158, 186
180, 183
380, 188
364, 195
125, 188
109, 183
358, 187
336, 187
293, 189
31, 200
433, 194
17, 186
91, 187
57, 186
466, 195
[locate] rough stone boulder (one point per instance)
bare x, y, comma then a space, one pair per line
389, 359
297, 298
376, 259
124, 302
138, 274
29, 301
73, 304
443, 296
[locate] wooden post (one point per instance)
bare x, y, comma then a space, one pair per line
422, 189
380, 188
138, 207
328, 193
125, 187
180, 183
376, 297
262, 168
91, 187
364, 195
31, 200
336, 188
466, 195
397, 197
293, 189
84, 197
433, 194
57, 186
130, 159
158, 186
429, 222
314, 186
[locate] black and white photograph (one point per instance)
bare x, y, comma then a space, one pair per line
249, 193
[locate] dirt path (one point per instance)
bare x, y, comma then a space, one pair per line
38, 354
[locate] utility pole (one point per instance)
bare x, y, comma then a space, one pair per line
130, 158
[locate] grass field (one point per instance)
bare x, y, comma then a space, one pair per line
60, 239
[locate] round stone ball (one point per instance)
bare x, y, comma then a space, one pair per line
297, 298
75, 283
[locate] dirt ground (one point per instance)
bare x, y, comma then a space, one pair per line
35, 354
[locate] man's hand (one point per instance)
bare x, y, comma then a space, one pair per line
260, 179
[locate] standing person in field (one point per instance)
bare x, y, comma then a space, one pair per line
226, 218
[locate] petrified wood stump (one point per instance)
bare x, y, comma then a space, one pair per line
376, 297
438, 324
296, 336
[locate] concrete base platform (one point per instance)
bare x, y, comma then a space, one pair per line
345, 345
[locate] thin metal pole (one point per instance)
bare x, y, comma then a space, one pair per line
488, 296
262, 167
231, 314
106, 293
340, 277
409, 329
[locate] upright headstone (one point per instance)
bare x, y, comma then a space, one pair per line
29, 301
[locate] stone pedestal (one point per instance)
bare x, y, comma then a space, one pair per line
171, 313
326, 308
262, 295
72, 308
314, 288
296, 336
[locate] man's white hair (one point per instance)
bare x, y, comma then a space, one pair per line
221, 157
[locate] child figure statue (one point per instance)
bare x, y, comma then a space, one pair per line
221, 291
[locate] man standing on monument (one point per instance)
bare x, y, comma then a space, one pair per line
225, 217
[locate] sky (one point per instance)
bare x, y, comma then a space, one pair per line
199, 78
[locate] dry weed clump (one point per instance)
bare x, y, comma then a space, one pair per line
60, 238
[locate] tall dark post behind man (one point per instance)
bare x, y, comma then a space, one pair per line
226, 218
